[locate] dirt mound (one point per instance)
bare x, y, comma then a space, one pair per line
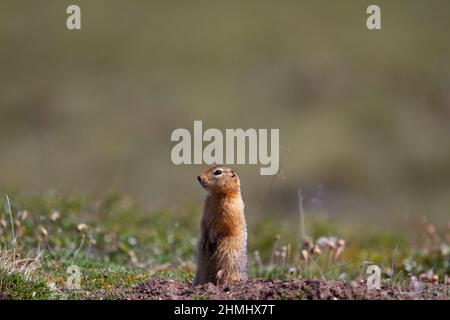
162, 289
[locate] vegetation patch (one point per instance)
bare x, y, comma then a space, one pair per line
117, 247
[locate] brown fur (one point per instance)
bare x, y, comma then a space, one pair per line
222, 251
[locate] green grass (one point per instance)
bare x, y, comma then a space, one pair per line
16, 286
117, 245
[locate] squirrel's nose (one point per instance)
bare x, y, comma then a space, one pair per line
199, 179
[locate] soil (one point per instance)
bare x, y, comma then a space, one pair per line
163, 289
4, 296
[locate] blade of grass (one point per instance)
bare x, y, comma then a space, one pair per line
13, 242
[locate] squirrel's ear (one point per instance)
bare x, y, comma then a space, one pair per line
232, 174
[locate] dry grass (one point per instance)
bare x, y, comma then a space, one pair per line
11, 259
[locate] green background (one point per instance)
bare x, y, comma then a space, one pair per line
363, 115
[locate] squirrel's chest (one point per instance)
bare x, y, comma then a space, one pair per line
224, 220
223, 238
223, 230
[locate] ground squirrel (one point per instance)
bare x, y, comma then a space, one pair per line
222, 250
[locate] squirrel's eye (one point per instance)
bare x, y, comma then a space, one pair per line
217, 172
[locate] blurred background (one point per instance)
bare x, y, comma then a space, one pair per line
363, 115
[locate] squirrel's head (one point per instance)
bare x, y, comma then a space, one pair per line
218, 180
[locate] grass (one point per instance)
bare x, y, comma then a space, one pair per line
16, 286
117, 245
